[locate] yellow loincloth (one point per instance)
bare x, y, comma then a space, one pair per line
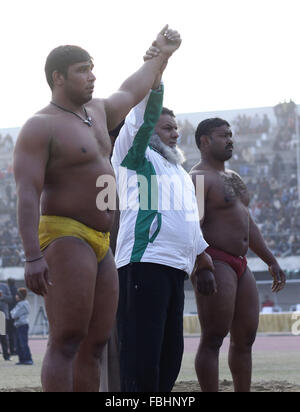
55, 227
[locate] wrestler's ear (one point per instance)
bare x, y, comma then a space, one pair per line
205, 141
58, 78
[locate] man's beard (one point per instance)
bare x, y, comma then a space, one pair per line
172, 154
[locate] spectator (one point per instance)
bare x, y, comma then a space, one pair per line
11, 329
277, 166
21, 316
265, 124
267, 303
5, 300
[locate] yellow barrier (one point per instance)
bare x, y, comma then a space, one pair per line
268, 323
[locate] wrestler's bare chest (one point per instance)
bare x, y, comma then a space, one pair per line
226, 224
74, 145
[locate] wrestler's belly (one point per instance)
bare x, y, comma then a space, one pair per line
75, 195
228, 232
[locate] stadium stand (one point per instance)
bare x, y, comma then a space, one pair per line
11, 252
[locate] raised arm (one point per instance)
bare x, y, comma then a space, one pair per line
259, 247
136, 87
137, 117
30, 160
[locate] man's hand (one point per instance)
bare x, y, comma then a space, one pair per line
203, 277
154, 52
167, 41
150, 54
279, 277
205, 283
37, 277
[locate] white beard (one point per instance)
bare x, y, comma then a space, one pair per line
172, 154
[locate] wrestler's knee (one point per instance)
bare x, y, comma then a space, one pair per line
243, 343
213, 341
93, 348
96, 348
68, 346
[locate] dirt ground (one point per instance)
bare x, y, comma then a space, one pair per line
226, 386
192, 386
276, 366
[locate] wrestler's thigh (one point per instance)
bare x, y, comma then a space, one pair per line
105, 300
216, 312
246, 318
73, 272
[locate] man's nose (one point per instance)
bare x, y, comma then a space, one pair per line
92, 77
175, 134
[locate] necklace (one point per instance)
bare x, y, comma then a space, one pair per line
87, 120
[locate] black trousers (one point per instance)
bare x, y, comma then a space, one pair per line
22, 344
12, 336
150, 326
4, 345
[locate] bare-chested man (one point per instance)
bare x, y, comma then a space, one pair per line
227, 300
60, 153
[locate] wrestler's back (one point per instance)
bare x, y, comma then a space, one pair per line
226, 222
78, 156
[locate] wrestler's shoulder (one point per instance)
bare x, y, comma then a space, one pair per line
96, 104
210, 176
38, 126
199, 170
41, 118
233, 173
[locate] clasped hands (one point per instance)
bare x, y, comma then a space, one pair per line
165, 44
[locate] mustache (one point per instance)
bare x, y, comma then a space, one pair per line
229, 146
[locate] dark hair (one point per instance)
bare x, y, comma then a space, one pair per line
22, 293
167, 111
206, 127
61, 58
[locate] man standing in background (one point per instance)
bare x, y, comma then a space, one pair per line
5, 300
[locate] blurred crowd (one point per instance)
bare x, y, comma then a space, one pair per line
275, 207
251, 124
267, 163
285, 138
6, 143
11, 251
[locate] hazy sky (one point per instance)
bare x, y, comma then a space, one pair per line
235, 53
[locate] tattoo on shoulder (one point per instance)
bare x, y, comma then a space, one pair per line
234, 187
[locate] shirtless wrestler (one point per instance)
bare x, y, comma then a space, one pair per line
228, 299
60, 153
